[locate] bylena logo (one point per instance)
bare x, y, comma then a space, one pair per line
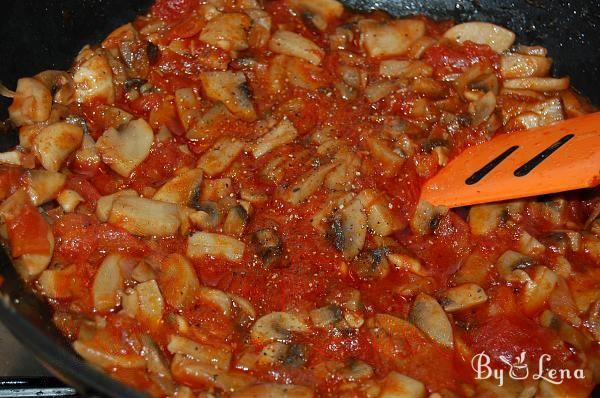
518, 369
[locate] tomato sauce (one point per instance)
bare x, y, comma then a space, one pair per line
360, 320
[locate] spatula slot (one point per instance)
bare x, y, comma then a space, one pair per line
539, 158
482, 172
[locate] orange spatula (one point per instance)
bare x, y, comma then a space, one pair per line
549, 159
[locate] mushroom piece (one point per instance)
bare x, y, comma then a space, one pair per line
349, 229
191, 371
43, 185
427, 217
144, 217
93, 78
202, 244
208, 215
390, 38
462, 297
277, 326
105, 203
236, 221
292, 44
32, 102
107, 360
230, 88
510, 265
55, 143
181, 189
268, 245
427, 314
307, 184
178, 281
542, 84
150, 303
69, 199
519, 65
125, 149
108, 284
227, 31
498, 38
371, 264
219, 357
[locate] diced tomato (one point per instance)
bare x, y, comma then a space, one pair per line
509, 335
447, 59
9, 180
28, 232
145, 103
112, 239
189, 27
75, 236
163, 160
172, 10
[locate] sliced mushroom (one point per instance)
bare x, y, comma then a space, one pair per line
543, 84
498, 38
55, 143
232, 90
220, 156
518, 65
144, 217
389, 160
290, 43
220, 358
483, 219
307, 184
462, 297
271, 390
268, 245
427, 314
537, 292
188, 105
227, 31
107, 360
43, 186
202, 244
236, 221
196, 373
203, 125
108, 284
181, 189
105, 203
178, 281
349, 229
277, 326
125, 149
69, 200
150, 303
282, 134
94, 78
382, 39
427, 217
511, 261
32, 249
371, 264
32, 102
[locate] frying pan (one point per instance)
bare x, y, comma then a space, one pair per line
36, 35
